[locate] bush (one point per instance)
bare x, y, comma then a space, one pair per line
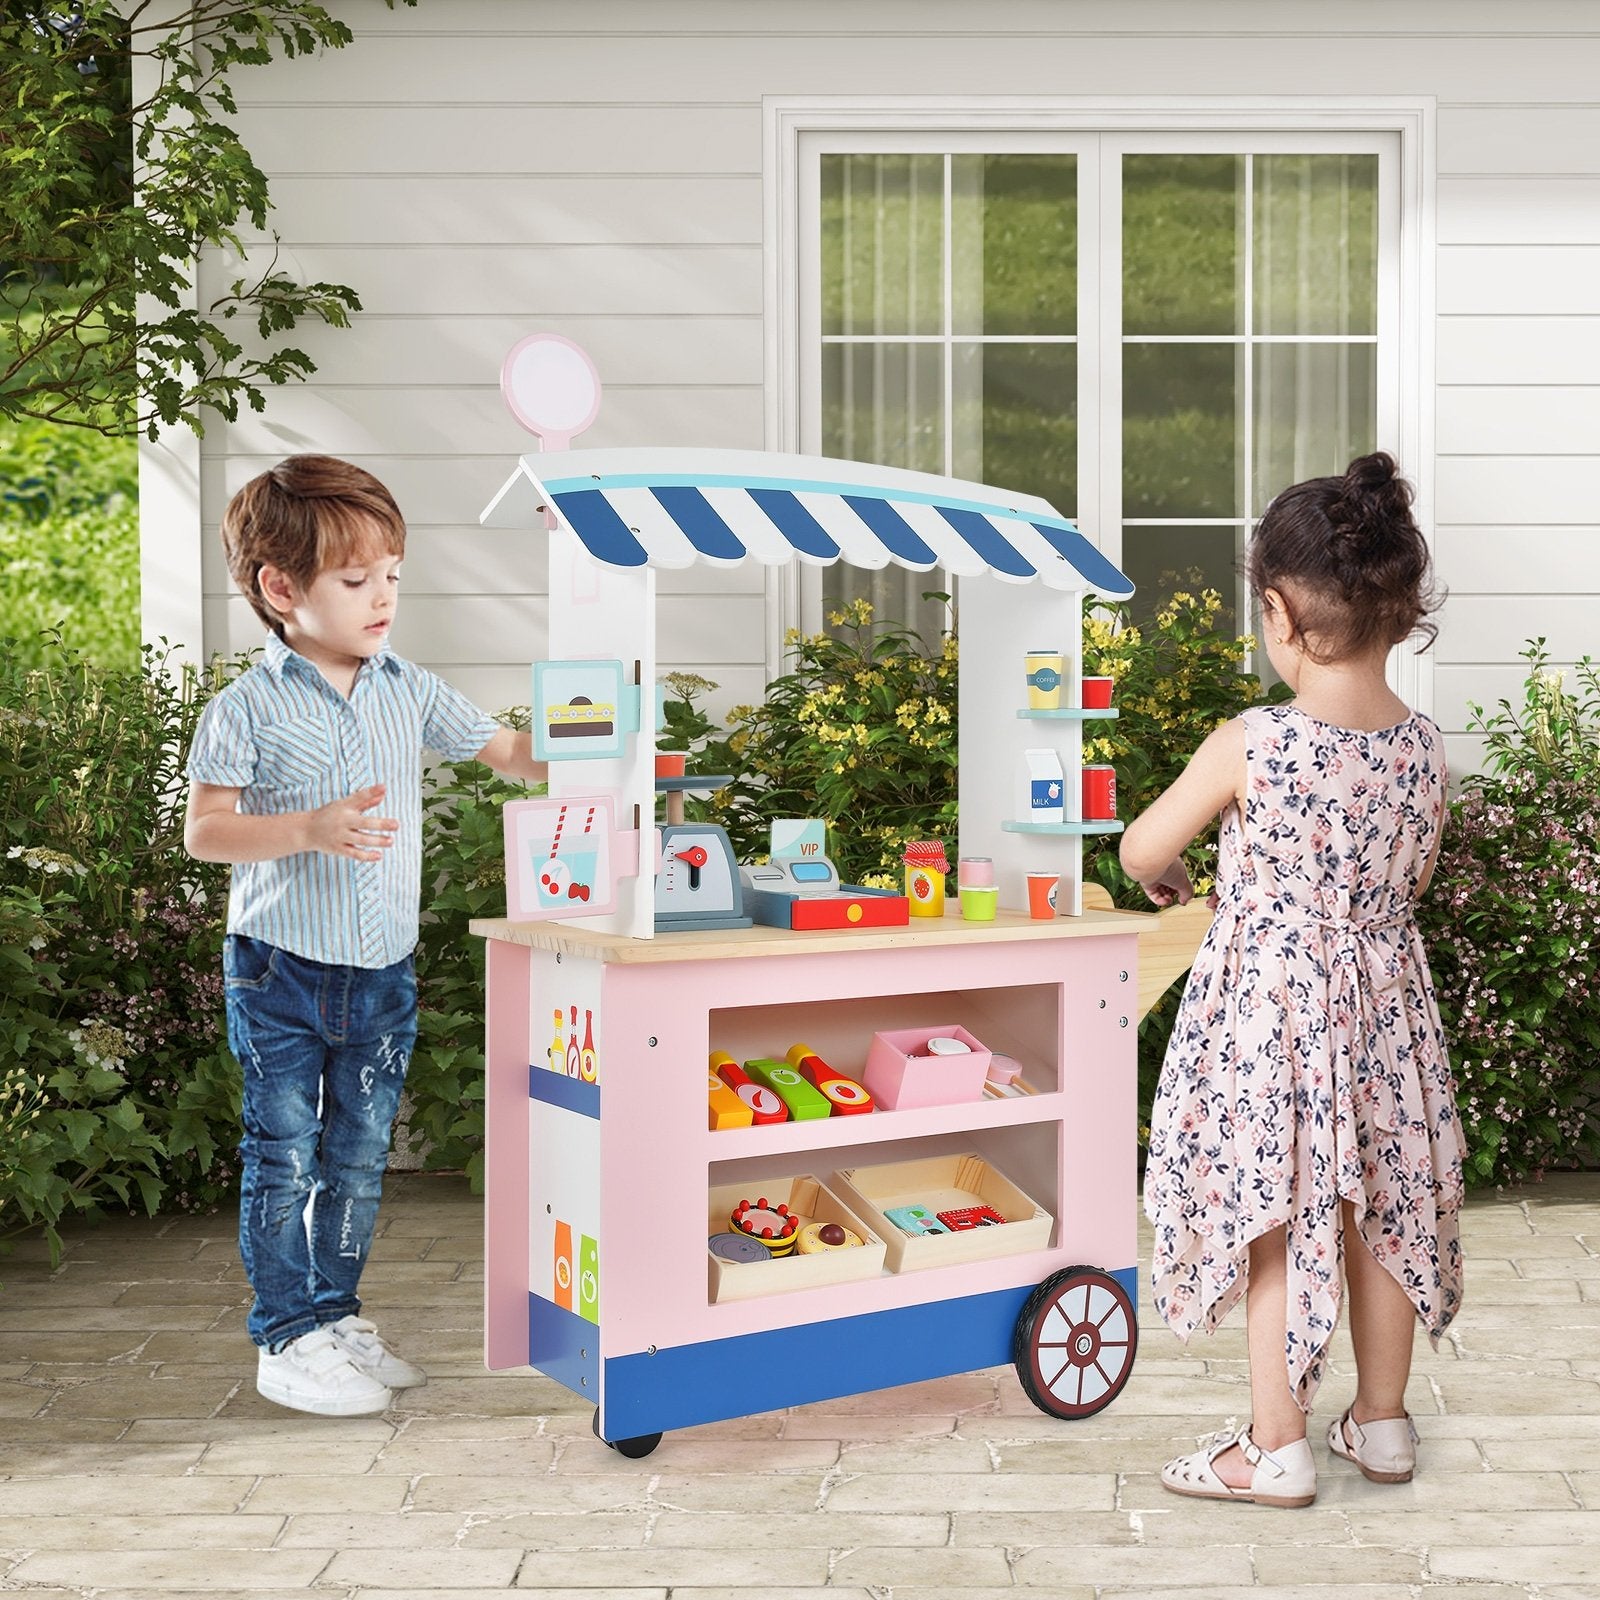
463, 876
117, 1022
1512, 923
861, 728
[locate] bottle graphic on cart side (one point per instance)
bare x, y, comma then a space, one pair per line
588, 1061
574, 1049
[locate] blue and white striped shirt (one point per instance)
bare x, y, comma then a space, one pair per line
288, 741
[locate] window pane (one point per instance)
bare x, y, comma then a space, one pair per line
1015, 408
1014, 244
1315, 409
882, 244
1316, 244
1163, 561
1181, 258
884, 403
1180, 449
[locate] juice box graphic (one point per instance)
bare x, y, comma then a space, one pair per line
563, 1265
589, 1279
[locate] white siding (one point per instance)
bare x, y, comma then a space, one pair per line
481, 168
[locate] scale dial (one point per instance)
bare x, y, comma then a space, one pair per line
698, 879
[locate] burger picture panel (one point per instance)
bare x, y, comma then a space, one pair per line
582, 709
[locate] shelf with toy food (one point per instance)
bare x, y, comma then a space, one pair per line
876, 1188
865, 1058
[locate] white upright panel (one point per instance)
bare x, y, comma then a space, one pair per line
1000, 623
603, 613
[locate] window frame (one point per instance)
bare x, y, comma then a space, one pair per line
1400, 130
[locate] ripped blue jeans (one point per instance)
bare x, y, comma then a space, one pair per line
323, 1050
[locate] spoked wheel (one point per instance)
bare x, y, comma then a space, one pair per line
1075, 1342
631, 1448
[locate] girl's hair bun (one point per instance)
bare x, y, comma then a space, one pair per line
1351, 550
1370, 509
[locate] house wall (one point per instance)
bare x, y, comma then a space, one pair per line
482, 168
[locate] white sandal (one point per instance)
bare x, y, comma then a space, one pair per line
1286, 1476
1385, 1449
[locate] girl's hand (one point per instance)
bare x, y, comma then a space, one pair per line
1171, 887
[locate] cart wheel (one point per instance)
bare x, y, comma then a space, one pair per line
1075, 1342
631, 1448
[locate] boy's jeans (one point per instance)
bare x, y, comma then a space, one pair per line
324, 1052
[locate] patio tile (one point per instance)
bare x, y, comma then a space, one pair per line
958, 1489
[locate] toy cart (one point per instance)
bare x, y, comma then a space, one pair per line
607, 1185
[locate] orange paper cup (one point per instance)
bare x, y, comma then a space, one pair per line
1042, 888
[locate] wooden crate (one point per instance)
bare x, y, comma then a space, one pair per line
945, 1183
812, 1201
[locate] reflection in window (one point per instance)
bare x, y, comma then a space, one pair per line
949, 324
1249, 345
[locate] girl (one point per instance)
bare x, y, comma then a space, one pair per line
1305, 1113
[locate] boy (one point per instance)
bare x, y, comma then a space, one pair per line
306, 774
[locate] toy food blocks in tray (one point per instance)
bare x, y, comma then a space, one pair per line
952, 1203
784, 1234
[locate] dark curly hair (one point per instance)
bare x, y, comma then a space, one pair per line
1351, 555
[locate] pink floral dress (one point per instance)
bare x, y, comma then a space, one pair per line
1307, 1064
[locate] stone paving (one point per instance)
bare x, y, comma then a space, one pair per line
139, 1462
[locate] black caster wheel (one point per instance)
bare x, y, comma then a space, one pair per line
631, 1448
1075, 1342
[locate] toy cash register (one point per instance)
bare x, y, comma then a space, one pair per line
804, 893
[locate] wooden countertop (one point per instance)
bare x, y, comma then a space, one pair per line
721, 944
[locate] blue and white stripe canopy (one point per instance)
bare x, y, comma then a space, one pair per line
673, 508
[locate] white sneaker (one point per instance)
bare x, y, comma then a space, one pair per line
359, 1340
315, 1373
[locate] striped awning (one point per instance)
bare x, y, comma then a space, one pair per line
674, 508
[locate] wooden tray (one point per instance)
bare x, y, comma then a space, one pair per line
945, 1183
812, 1201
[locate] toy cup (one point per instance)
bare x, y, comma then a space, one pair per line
1042, 888
1097, 694
979, 905
975, 872
1044, 680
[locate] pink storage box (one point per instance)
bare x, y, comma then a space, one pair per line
901, 1074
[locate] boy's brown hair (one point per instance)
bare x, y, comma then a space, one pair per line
304, 516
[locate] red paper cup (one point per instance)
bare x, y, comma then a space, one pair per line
1097, 694
1042, 888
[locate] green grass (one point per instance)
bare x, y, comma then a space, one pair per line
69, 543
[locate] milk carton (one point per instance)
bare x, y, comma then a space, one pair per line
1043, 787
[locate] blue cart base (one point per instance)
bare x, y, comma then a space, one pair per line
756, 1372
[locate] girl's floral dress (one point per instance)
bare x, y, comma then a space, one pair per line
1307, 1062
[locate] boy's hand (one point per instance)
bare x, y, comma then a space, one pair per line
1172, 887
343, 827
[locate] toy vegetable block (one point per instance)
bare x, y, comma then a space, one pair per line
805, 1103
763, 1101
847, 1097
724, 1109
1167, 946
